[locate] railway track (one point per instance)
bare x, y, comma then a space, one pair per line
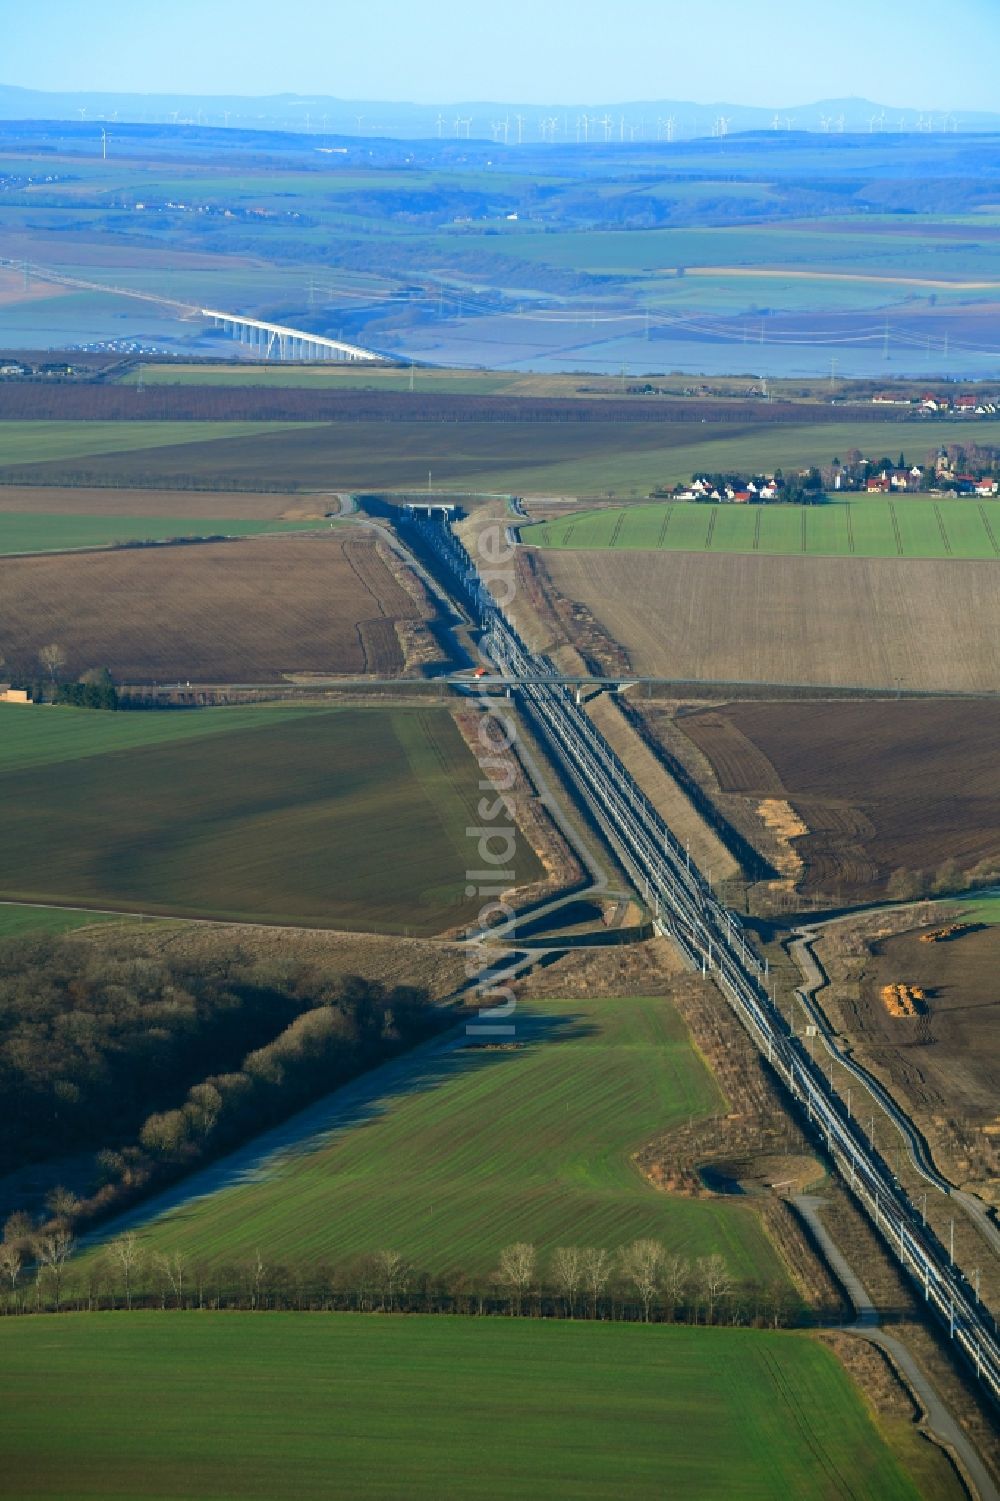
712, 940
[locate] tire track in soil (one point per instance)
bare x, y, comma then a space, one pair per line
841, 1486
989, 530
850, 530
663, 527
895, 527
711, 528
945, 540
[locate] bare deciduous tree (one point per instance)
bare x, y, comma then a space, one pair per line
19, 1230
596, 1273
567, 1273
517, 1269
676, 1275
642, 1265
391, 1270
126, 1253
172, 1267
52, 658
714, 1281
62, 1203
52, 1252
256, 1272
10, 1263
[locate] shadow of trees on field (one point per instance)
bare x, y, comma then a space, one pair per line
361, 1102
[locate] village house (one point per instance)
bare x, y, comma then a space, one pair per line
905, 479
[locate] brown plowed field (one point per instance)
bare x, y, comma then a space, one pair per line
67, 403
53, 500
243, 611
881, 785
857, 622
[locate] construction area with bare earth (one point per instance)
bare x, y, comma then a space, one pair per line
858, 622
239, 611
941, 1063
870, 787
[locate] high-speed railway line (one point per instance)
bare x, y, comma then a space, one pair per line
712, 939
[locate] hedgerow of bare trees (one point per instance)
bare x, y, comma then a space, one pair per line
640, 1282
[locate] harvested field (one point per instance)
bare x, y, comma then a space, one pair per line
879, 786
14, 290
858, 622
246, 611
943, 1065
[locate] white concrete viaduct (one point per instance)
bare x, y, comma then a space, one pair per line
272, 341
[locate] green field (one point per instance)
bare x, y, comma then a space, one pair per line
449, 1156
333, 818
33, 531
38, 442
546, 458
863, 528
16, 921
984, 908
227, 1407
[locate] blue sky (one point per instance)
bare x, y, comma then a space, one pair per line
935, 54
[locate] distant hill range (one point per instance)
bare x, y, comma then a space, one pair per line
508, 123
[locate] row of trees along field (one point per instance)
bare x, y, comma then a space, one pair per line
152, 1065
641, 1281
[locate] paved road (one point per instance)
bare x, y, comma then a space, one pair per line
938, 1417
